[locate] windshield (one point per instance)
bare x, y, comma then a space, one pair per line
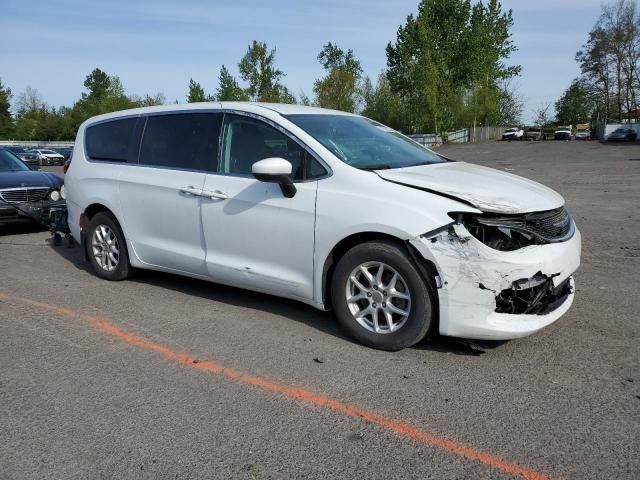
10, 163
49, 152
363, 143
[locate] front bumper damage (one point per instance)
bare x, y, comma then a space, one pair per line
498, 295
28, 212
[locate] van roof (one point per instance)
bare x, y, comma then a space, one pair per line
251, 107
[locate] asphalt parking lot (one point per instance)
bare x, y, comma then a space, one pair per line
166, 377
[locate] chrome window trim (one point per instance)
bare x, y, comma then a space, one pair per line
223, 111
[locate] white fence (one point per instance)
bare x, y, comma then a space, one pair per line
33, 144
464, 135
428, 139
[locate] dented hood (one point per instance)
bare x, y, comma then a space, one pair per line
486, 189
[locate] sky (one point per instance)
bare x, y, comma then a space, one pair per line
158, 45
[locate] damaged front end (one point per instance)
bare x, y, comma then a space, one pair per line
503, 276
512, 232
28, 205
533, 296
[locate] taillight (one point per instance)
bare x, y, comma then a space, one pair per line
65, 167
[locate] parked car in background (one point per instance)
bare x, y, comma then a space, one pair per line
623, 135
514, 133
534, 133
65, 152
28, 157
582, 134
25, 195
563, 133
327, 208
48, 157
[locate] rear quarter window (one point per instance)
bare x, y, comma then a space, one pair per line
112, 141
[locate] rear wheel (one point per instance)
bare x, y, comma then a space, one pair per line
380, 297
106, 248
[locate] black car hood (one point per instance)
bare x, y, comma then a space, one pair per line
29, 178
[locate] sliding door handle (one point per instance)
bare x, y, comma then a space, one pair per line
196, 192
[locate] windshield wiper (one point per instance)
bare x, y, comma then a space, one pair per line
336, 149
382, 166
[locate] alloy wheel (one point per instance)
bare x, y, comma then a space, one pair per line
378, 297
106, 250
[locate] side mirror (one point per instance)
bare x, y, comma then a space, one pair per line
275, 170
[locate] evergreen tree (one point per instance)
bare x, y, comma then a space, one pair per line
6, 120
196, 92
228, 89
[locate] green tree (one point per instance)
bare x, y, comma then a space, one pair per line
97, 83
575, 105
6, 120
447, 61
285, 96
339, 88
489, 44
151, 100
32, 115
382, 104
35, 120
115, 98
304, 99
610, 60
257, 68
228, 89
196, 92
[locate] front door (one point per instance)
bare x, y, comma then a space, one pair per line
255, 237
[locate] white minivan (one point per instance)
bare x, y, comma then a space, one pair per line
325, 207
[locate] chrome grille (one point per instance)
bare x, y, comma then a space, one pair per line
24, 195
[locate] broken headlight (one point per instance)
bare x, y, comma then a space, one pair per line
511, 232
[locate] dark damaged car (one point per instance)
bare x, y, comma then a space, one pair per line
623, 135
26, 196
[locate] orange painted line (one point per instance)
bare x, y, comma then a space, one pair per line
299, 394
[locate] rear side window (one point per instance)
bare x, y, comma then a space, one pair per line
186, 141
112, 140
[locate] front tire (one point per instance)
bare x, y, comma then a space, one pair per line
106, 248
380, 297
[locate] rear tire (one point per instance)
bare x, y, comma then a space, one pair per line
106, 248
390, 310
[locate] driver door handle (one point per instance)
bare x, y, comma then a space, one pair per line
216, 194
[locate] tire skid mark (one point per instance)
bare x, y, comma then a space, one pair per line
301, 395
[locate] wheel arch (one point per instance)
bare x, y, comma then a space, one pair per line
91, 211
427, 268
95, 208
